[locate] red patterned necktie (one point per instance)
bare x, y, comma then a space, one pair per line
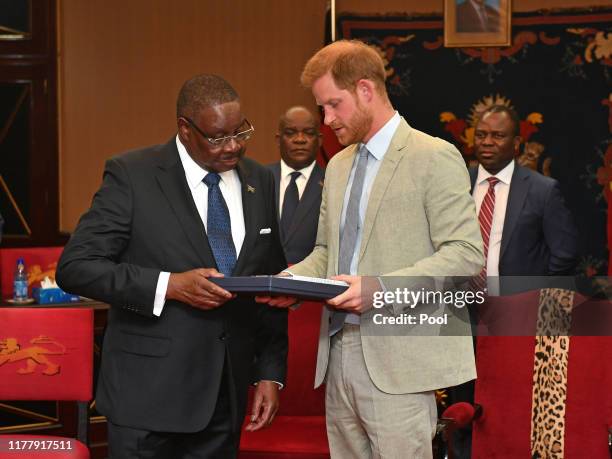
485, 218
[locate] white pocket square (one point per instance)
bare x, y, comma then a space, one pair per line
265, 231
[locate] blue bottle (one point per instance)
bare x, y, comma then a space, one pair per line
20, 282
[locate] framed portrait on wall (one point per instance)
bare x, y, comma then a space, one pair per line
477, 23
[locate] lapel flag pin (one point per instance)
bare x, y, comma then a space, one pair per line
250, 189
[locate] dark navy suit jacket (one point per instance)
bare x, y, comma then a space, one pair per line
539, 236
164, 373
301, 237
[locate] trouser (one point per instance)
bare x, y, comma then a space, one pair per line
364, 422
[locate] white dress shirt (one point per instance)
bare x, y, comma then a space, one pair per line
285, 180
232, 193
502, 188
377, 148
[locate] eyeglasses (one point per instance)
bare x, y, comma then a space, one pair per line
218, 142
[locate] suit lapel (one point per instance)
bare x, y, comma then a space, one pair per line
276, 168
171, 179
249, 187
309, 198
519, 187
387, 169
473, 176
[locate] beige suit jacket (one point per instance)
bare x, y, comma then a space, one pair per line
420, 221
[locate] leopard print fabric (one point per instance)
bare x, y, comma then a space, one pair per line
550, 374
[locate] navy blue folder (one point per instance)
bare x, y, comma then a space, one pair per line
272, 285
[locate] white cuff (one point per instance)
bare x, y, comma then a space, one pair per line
160, 293
280, 385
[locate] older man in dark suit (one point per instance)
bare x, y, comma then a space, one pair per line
299, 182
179, 352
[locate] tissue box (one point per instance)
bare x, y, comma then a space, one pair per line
53, 295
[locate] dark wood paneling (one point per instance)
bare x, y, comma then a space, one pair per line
33, 61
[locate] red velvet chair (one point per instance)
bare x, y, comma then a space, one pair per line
544, 395
46, 354
40, 262
298, 431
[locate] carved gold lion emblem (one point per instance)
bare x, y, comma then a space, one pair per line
33, 356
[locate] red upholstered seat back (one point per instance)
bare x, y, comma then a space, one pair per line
46, 354
299, 398
504, 388
298, 430
589, 396
40, 262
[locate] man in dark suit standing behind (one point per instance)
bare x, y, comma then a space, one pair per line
530, 230
526, 228
299, 182
179, 352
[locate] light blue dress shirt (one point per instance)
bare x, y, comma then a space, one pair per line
377, 147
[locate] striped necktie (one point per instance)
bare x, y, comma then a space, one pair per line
485, 219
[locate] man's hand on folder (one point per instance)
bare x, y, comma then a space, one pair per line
357, 299
194, 288
278, 301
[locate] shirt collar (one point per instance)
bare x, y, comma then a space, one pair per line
504, 176
379, 143
193, 172
306, 171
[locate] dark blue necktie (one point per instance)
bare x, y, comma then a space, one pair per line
219, 226
290, 203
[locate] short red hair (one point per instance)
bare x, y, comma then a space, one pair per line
348, 61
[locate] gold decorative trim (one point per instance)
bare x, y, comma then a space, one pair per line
30, 427
11, 30
22, 219
13, 115
45, 420
10, 34
3, 134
